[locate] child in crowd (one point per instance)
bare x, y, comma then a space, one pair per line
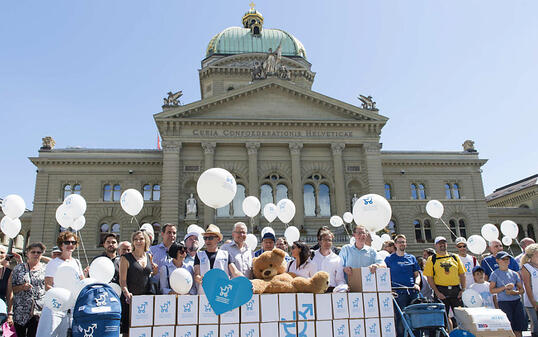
481, 286
507, 284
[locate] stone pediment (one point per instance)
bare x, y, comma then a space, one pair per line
271, 100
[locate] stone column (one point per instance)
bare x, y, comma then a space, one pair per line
253, 189
209, 162
297, 183
374, 170
339, 185
170, 181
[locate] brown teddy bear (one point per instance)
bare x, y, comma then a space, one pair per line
271, 277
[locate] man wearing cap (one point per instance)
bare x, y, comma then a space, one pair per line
56, 252
192, 245
446, 275
238, 250
268, 244
213, 257
490, 263
160, 251
469, 261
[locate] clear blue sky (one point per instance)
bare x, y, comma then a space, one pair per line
92, 73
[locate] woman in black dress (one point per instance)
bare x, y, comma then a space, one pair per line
136, 268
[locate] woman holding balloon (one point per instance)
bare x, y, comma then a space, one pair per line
177, 253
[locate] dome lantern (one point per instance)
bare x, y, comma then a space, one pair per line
253, 20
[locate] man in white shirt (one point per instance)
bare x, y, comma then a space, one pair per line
326, 260
468, 261
238, 250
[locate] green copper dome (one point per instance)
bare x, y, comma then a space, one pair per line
238, 40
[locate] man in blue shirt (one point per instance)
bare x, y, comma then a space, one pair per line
489, 264
359, 255
404, 271
160, 251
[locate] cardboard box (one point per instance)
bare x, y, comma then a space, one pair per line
187, 310
355, 304
356, 328
306, 329
341, 328
324, 308
250, 311
361, 280
186, 331
208, 330
165, 310
305, 307
229, 330
269, 307
163, 331
324, 328
386, 305
142, 310
371, 306
383, 279
388, 327
206, 315
287, 307
140, 332
484, 322
287, 329
268, 329
230, 317
371, 327
250, 330
340, 306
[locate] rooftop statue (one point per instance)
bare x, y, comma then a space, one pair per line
367, 102
173, 98
468, 146
271, 66
48, 143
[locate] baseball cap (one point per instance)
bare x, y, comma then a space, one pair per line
439, 238
477, 268
188, 235
502, 255
56, 249
460, 240
269, 235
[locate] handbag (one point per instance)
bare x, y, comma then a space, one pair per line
8, 330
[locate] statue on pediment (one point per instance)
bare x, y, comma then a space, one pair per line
48, 143
173, 98
468, 146
191, 206
367, 102
271, 66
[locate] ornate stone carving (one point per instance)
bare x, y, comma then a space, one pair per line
171, 145
209, 147
295, 148
192, 208
468, 146
367, 103
48, 143
252, 147
173, 98
337, 148
271, 66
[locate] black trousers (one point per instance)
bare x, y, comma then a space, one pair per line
29, 329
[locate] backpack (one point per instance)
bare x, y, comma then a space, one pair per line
434, 258
97, 312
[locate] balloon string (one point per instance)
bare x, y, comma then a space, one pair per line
347, 232
134, 217
450, 230
83, 249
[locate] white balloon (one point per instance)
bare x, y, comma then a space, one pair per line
270, 212
385, 237
78, 288
509, 228
116, 287
435, 209
251, 206
65, 220
507, 241
471, 298
102, 269
476, 244
267, 229
377, 243
336, 221
75, 205
79, 223
13, 206
57, 299
292, 234
216, 187
251, 241
10, 227
490, 232
131, 201
286, 210
66, 277
372, 211
181, 281
348, 217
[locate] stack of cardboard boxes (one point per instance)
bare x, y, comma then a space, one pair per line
365, 313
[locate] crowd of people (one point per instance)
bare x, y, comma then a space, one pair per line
438, 275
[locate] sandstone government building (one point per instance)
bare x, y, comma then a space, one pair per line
259, 119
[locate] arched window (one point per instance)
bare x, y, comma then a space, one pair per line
453, 229
530, 231
266, 195
324, 200
317, 196
147, 191
117, 192
281, 192
422, 191
309, 200
107, 227
273, 189
414, 192
156, 192
418, 232
456, 191
423, 231
76, 189
448, 191
388, 193
67, 191
462, 229
458, 227
151, 192
238, 201
107, 192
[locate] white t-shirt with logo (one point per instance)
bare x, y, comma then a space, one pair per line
483, 290
468, 264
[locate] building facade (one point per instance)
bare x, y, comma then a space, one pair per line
259, 119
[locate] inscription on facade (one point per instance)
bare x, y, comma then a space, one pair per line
271, 133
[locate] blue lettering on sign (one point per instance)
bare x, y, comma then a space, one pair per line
187, 307
142, 308
340, 303
164, 307
355, 303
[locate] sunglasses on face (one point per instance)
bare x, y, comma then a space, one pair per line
462, 246
68, 242
209, 238
36, 252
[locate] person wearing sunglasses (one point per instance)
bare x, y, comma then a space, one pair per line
213, 257
177, 253
469, 261
28, 286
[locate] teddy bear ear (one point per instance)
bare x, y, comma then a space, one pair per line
279, 252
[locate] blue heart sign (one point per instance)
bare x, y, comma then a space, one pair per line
224, 294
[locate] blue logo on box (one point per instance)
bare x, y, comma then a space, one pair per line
164, 307
340, 303
142, 308
187, 307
